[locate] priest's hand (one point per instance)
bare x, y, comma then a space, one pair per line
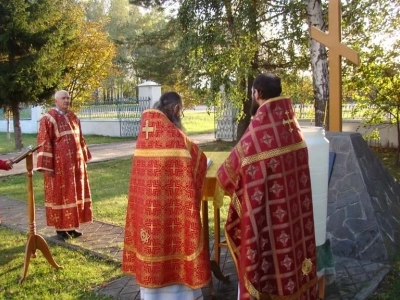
9, 164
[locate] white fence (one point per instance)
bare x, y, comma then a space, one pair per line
387, 132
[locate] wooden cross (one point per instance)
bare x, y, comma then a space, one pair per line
332, 40
147, 129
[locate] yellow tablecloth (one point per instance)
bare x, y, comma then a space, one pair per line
212, 191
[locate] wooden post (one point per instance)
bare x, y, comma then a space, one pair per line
332, 40
35, 241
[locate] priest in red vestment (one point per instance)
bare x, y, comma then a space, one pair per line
62, 159
164, 246
270, 224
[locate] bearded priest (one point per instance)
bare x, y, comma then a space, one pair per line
164, 246
270, 224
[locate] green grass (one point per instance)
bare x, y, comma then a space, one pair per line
81, 272
108, 182
198, 122
8, 145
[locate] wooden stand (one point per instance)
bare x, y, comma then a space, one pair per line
215, 268
35, 241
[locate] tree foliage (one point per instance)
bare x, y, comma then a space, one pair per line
32, 33
47, 45
375, 83
228, 43
87, 61
376, 87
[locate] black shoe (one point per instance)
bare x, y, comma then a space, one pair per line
75, 233
64, 235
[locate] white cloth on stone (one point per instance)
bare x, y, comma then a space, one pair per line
172, 292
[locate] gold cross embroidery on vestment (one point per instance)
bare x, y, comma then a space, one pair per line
147, 129
288, 121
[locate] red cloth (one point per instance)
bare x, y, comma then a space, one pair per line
270, 225
3, 165
164, 242
63, 158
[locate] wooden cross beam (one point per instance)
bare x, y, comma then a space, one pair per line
332, 40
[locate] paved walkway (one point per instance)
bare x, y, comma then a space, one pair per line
354, 279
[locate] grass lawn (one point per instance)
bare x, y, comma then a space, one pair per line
7, 146
198, 122
81, 272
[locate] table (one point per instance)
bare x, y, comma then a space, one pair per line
213, 192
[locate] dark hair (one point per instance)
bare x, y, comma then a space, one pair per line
268, 85
166, 105
167, 100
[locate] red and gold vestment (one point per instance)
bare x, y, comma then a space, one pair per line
164, 242
270, 224
62, 159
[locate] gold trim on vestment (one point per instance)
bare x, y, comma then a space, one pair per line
188, 257
306, 266
66, 206
271, 153
57, 132
236, 204
274, 99
152, 286
162, 152
54, 122
256, 294
42, 153
231, 250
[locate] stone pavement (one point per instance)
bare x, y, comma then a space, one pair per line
354, 279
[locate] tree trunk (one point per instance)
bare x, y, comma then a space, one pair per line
8, 124
248, 82
397, 157
17, 126
319, 64
245, 121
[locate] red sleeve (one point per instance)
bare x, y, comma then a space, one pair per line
200, 170
3, 165
45, 160
228, 172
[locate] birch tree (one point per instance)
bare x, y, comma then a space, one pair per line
319, 62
